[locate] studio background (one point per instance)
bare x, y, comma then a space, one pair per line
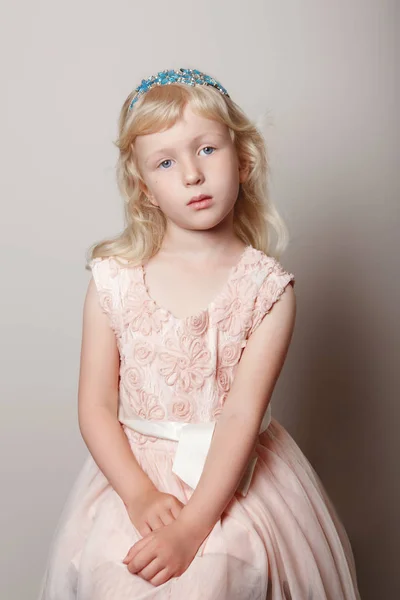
321, 79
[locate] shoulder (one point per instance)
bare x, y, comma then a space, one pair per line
106, 279
106, 270
107, 264
270, 280
261, 267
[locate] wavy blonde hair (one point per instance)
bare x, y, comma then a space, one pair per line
158, 109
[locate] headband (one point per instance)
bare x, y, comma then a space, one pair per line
187, 76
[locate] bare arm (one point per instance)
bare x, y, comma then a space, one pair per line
236, 431
98, 404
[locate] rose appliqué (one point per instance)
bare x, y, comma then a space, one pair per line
143, 352
270, 291
223, 380
132, 376
198, 324
230, 354
105, 300
228, 358
181, 409
106, 303
219, 407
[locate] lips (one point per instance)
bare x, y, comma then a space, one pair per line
198, 198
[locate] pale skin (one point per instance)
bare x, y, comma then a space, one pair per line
199, 248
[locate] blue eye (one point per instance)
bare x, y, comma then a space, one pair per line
208, 148
168, 160
163, 162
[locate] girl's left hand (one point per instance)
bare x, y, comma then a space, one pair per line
164, 553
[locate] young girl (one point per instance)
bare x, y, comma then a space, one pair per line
191, 490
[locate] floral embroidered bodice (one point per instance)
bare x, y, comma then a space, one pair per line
279, 536
182, 369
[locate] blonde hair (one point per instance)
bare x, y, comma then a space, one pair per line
157, 110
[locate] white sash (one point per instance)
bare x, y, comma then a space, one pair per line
194, 440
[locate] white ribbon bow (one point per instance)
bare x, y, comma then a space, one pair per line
194, 440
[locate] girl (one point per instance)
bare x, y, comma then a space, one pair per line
190, 489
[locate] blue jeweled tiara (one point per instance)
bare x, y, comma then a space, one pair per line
188, 76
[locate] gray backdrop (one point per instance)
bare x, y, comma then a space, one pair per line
320, 76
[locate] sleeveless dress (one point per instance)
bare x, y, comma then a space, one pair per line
282, 540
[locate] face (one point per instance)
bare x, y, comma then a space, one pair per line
195, 156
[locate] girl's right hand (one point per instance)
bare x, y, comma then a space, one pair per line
152, 509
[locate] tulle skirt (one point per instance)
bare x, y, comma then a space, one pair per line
283, 541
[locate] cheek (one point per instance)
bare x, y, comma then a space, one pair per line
161, 179
227, 164
158, 185
165, 193
226, 174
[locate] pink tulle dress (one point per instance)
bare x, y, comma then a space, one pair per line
279, 538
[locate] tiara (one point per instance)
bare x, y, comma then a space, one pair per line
188, 76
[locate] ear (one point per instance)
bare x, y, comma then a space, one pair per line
150, 197
152, 201
244, 170
143, 187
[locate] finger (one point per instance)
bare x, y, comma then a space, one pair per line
175, 510
137, 547
167, 517
161, 577
155, 523
141, 560
151, 569
145, 529
128, 556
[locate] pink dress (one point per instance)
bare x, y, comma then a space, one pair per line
282, 540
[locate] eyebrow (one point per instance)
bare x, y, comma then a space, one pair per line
194, 140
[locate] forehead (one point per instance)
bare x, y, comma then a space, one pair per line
190, 127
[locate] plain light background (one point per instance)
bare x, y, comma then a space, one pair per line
322, 78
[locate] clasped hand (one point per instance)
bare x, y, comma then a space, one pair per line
168, 546
162, 554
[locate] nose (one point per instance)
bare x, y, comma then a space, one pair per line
192, 174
